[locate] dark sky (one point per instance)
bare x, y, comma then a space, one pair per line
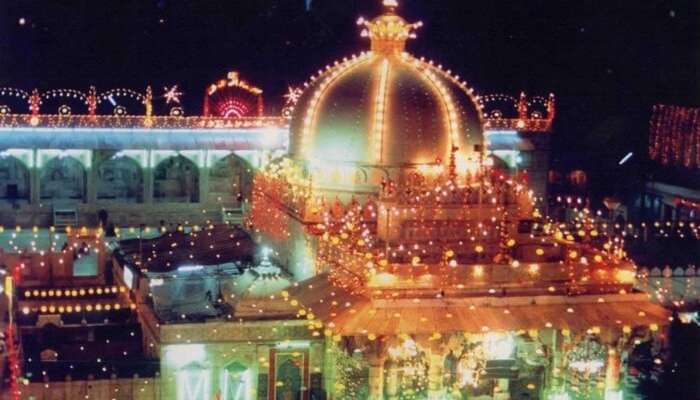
607, 61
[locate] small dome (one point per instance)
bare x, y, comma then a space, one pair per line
385, 107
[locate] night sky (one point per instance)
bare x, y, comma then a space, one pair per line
607, 61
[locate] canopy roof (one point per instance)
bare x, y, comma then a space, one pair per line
350, 314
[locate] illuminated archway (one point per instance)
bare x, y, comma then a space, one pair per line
176, 180
230, 180
120, 178
63, 178
14, 179
236, 382
193, 382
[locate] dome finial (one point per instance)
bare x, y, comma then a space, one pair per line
388, 32
390, 4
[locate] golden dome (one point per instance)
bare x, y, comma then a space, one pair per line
385, 107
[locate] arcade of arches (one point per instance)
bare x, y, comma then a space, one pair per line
131, 180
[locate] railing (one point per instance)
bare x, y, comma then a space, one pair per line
521, 125
154, 122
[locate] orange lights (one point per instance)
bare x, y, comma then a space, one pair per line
75, 308
72, 292
380, 104
625, 276
533, 269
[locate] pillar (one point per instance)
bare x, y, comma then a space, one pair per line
91, 184
435, 374
376, 378
148, 184
392, 381
34, 182
612, 371
203, 185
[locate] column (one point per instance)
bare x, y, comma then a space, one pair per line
435, 382
91, 189
392, 381
34, 180
612, 373
203, 185
148, 183
376, 378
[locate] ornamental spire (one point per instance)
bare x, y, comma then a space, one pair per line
388, 32
391, 4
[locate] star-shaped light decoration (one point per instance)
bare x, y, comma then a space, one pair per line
292, 96
172, 94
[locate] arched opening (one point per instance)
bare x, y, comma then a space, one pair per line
236, 382
14, 179
120, 178
230, 180
193, 382
63, 178
176, 180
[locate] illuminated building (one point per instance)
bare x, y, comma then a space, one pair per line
423, 271
110, 151
674, 142
413, 261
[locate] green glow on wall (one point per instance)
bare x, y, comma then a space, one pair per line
141, 156
177, 356
613, 395
26, 156
46, 155
293, 344
236, 382
193, 383
198, 157
213, 156
510, 157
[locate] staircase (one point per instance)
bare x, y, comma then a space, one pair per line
232, 215
65, 215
